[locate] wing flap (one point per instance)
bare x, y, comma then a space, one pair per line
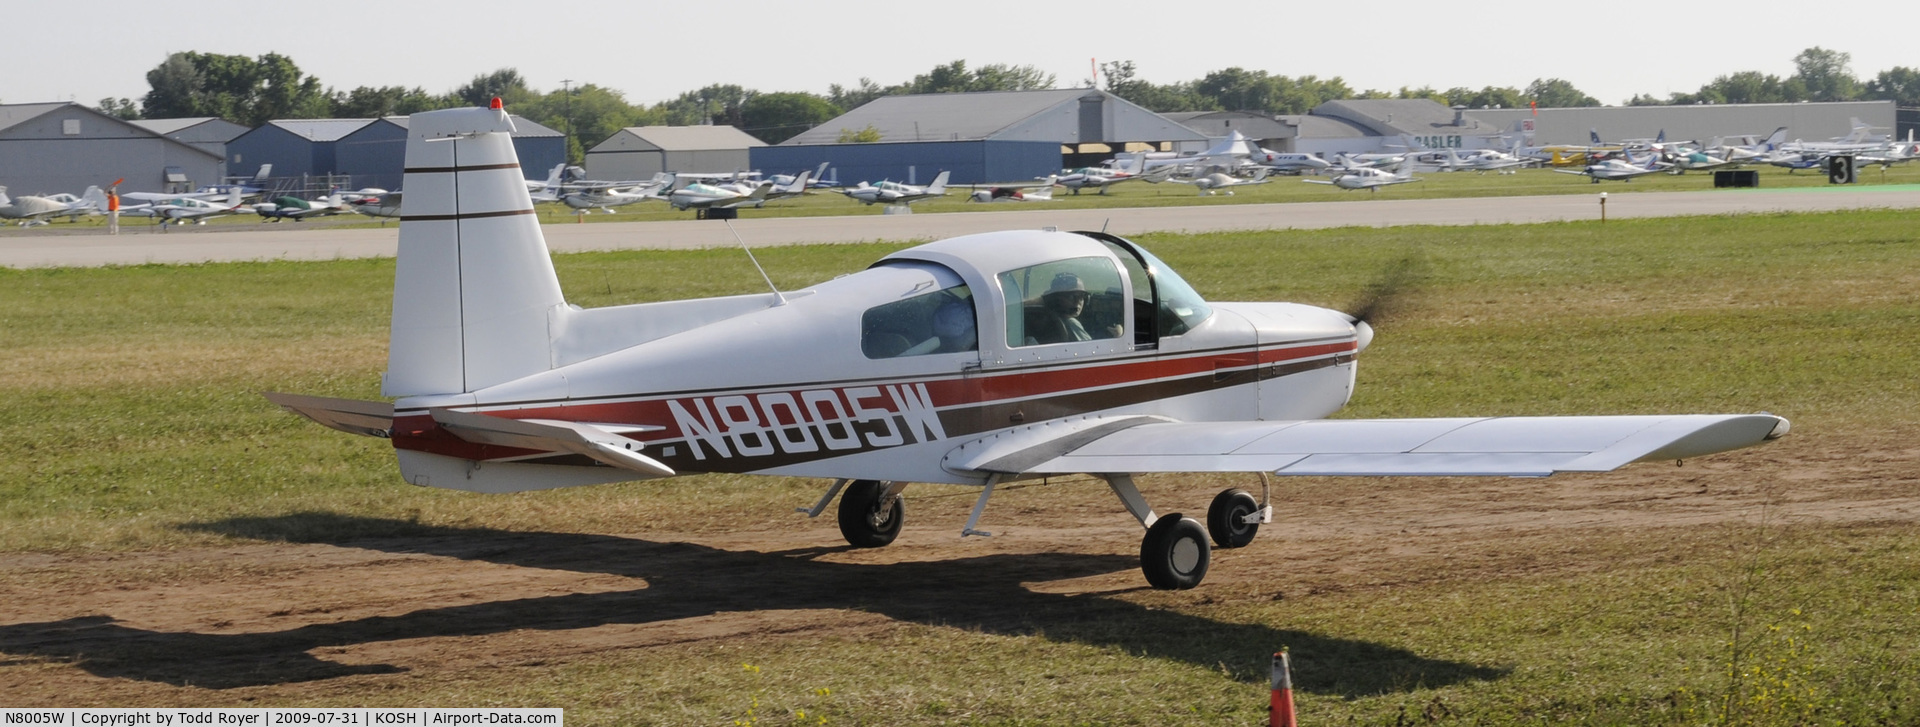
1505, 446
598, 441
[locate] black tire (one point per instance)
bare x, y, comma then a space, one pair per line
1226, 518
1174, 555
865, 521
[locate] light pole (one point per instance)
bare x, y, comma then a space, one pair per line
566, 88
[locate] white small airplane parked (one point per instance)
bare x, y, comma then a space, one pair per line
1619, 169
33, 210
896, 193
384, 204
1481, 160
1103, 177
973, 361
700, 196
777, 189
1042, 192
1368, 178
1217, 181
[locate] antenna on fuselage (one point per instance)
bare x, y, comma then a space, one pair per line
1104, 223
756, 265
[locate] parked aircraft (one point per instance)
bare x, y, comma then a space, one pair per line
1368, 178
1481, 160
588, 198
700, 196
1217, 181
1104, 177
1287, 161
1697, 161
33, 210
1619, 169
297, 209
896, 193
182, 210
794, 186
973, 361
385, 204
1042, 192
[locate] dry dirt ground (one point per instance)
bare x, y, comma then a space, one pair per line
274, 622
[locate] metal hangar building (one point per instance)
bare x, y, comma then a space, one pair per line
993, 136
49, 148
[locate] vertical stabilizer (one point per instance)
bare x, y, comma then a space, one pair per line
474, 286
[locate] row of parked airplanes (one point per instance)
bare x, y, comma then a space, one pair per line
1234, 162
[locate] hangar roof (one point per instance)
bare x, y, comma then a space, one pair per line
1328, 127
677, 138
522, 126
320, 129
1050, 115
12, 115
1395, 116
1253, 125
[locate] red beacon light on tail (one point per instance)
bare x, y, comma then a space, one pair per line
495, 103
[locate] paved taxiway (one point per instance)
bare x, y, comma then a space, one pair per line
29, 250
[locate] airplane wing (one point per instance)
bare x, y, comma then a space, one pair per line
1502, 446
602, 442
1317, 181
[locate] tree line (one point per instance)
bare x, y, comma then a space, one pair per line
254, 90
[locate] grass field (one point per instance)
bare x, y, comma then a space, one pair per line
130, 426
1282, 189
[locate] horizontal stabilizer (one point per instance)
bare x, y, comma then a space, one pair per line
1505, 446
602, 442
353, 416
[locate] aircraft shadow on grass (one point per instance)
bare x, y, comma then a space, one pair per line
686, 580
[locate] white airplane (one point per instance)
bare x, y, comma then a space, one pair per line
297, 209
777, 189
32, 210
815, 180
974, 361
589, 198
182, 210
1287, 161
1619, 169
896, 193
1210, 183
1697, 161
1042, 192
384, 204
1368, 178
700, 196
1101, 178
1481, 160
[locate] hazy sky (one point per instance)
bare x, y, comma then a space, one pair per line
655, 51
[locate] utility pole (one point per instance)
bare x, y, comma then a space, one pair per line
566, 87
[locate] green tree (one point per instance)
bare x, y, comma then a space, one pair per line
248, 91
594, 112
716, 104
1557, 93
505, 84
1645, 100
1899, 84
777, 117
855, 97
367, 102
1825, 75
1487, 97
864, 136
119, 108
1123, 81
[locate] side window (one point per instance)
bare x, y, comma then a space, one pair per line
938, 322
1080, 299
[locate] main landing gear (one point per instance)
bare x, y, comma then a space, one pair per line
1174, 555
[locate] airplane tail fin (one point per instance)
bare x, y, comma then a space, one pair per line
1045, 193
265, 171
799, 183
1593, 136
475, 294
939, 185
94, 198
4, 199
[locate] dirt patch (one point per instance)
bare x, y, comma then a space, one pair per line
280, 622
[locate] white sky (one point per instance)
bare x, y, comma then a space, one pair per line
654, 51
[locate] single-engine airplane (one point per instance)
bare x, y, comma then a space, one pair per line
1368, 178
972, 361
